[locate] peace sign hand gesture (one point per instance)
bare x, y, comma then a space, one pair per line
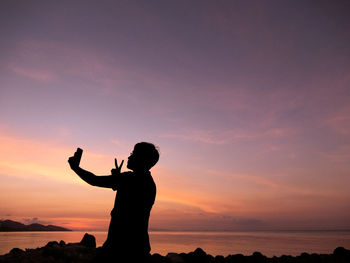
117, 169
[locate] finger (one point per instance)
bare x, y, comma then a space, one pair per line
121, 164
116, 163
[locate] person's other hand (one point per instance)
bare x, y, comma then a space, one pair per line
74, 161
117, 169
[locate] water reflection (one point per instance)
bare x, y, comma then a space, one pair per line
215, 243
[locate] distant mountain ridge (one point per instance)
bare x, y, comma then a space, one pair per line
9, 225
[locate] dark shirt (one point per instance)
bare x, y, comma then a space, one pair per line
128, 230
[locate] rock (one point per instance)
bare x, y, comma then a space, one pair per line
88, 241
341, 254
52, 244
219, 259
55, 252
340, 251
198, 256
235, 258
16, 251
285, 258
258, 257
62, 243
156, 258
175, 258
199, 252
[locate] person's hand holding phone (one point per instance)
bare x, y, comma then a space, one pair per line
74, 161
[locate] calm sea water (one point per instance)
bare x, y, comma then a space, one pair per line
215, 243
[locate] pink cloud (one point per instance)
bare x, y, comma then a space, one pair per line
228, 136
340, 123
340, 155
45, 60
35, 74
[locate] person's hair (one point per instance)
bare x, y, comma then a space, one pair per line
148, 152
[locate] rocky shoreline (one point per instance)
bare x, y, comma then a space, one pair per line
85, 250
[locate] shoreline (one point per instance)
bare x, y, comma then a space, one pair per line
190, 231
85, 251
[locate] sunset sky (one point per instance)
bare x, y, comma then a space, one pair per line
248, 102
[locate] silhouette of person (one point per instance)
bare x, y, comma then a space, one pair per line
127, 239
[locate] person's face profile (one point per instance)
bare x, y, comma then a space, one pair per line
132, 160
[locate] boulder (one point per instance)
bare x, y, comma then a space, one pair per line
258, 257
156, 258
175, 258
16, 251
88, 241
219, 259
52, 244
62, 243
341, 254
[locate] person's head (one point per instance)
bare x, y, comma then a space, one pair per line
144, 156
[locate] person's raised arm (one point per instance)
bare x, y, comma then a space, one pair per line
101, 181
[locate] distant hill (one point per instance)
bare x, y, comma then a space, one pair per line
9, 225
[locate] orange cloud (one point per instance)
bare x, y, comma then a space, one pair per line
37, 182
21, 156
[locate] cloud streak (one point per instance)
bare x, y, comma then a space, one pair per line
35, 74
223, 137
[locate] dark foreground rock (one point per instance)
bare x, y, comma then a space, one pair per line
85, 251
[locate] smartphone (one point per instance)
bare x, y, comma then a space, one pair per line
78, 154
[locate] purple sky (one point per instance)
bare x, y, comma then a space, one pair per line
248, 102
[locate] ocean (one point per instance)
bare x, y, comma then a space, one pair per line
269, 243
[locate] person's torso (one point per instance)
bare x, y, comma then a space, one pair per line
134, 200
